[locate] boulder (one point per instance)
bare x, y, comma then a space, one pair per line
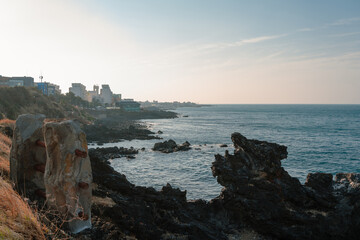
68, 175
165, 147
183, 147
28, 156
171, 146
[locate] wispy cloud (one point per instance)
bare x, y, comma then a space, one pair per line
213, 46
345, 34
346, 21
262, 39
305, 30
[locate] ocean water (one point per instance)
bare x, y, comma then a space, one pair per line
320, 138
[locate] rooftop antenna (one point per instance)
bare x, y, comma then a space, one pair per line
41, 78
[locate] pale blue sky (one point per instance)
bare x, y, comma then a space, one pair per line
207, 51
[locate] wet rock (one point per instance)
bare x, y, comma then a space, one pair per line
223, 145
260, 193
171, 146
183, 147
159, 132
28, 156
68, 174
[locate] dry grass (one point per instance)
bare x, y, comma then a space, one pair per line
7, 122
5, 146
4, 167
17, 221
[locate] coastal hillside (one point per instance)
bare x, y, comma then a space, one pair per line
20, 100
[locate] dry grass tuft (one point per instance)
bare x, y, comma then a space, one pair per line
17, 220
5, 146
4, 167
5, 143
7, 122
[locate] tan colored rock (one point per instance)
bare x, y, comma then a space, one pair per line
68, 174
28, 156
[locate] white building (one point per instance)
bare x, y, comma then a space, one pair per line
106, 94
94, 94
79, 90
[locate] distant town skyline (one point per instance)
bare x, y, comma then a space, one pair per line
204, 51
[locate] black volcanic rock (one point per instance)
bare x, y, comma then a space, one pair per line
107, 133
171, 146
122, 209
260, 200
114, 152
259, 192
319, 181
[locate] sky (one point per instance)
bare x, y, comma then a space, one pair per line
204, 51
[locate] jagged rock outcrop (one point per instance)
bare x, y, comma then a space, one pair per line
171, 146
28, 156
68, 175
260, 193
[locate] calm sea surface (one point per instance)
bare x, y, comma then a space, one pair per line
324, 138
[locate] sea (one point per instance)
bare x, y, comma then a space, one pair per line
320, 138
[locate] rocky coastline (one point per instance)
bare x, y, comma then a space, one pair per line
260, 200
115, 126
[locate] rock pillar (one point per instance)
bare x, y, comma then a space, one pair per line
68, 173
28, 156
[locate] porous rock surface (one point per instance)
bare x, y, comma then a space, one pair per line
28, 156
259, 192
68, 174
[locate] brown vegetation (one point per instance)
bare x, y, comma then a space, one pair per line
5, 145
17, 221
7, 122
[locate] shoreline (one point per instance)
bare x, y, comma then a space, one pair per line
259, 200
227, 215
116, 126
